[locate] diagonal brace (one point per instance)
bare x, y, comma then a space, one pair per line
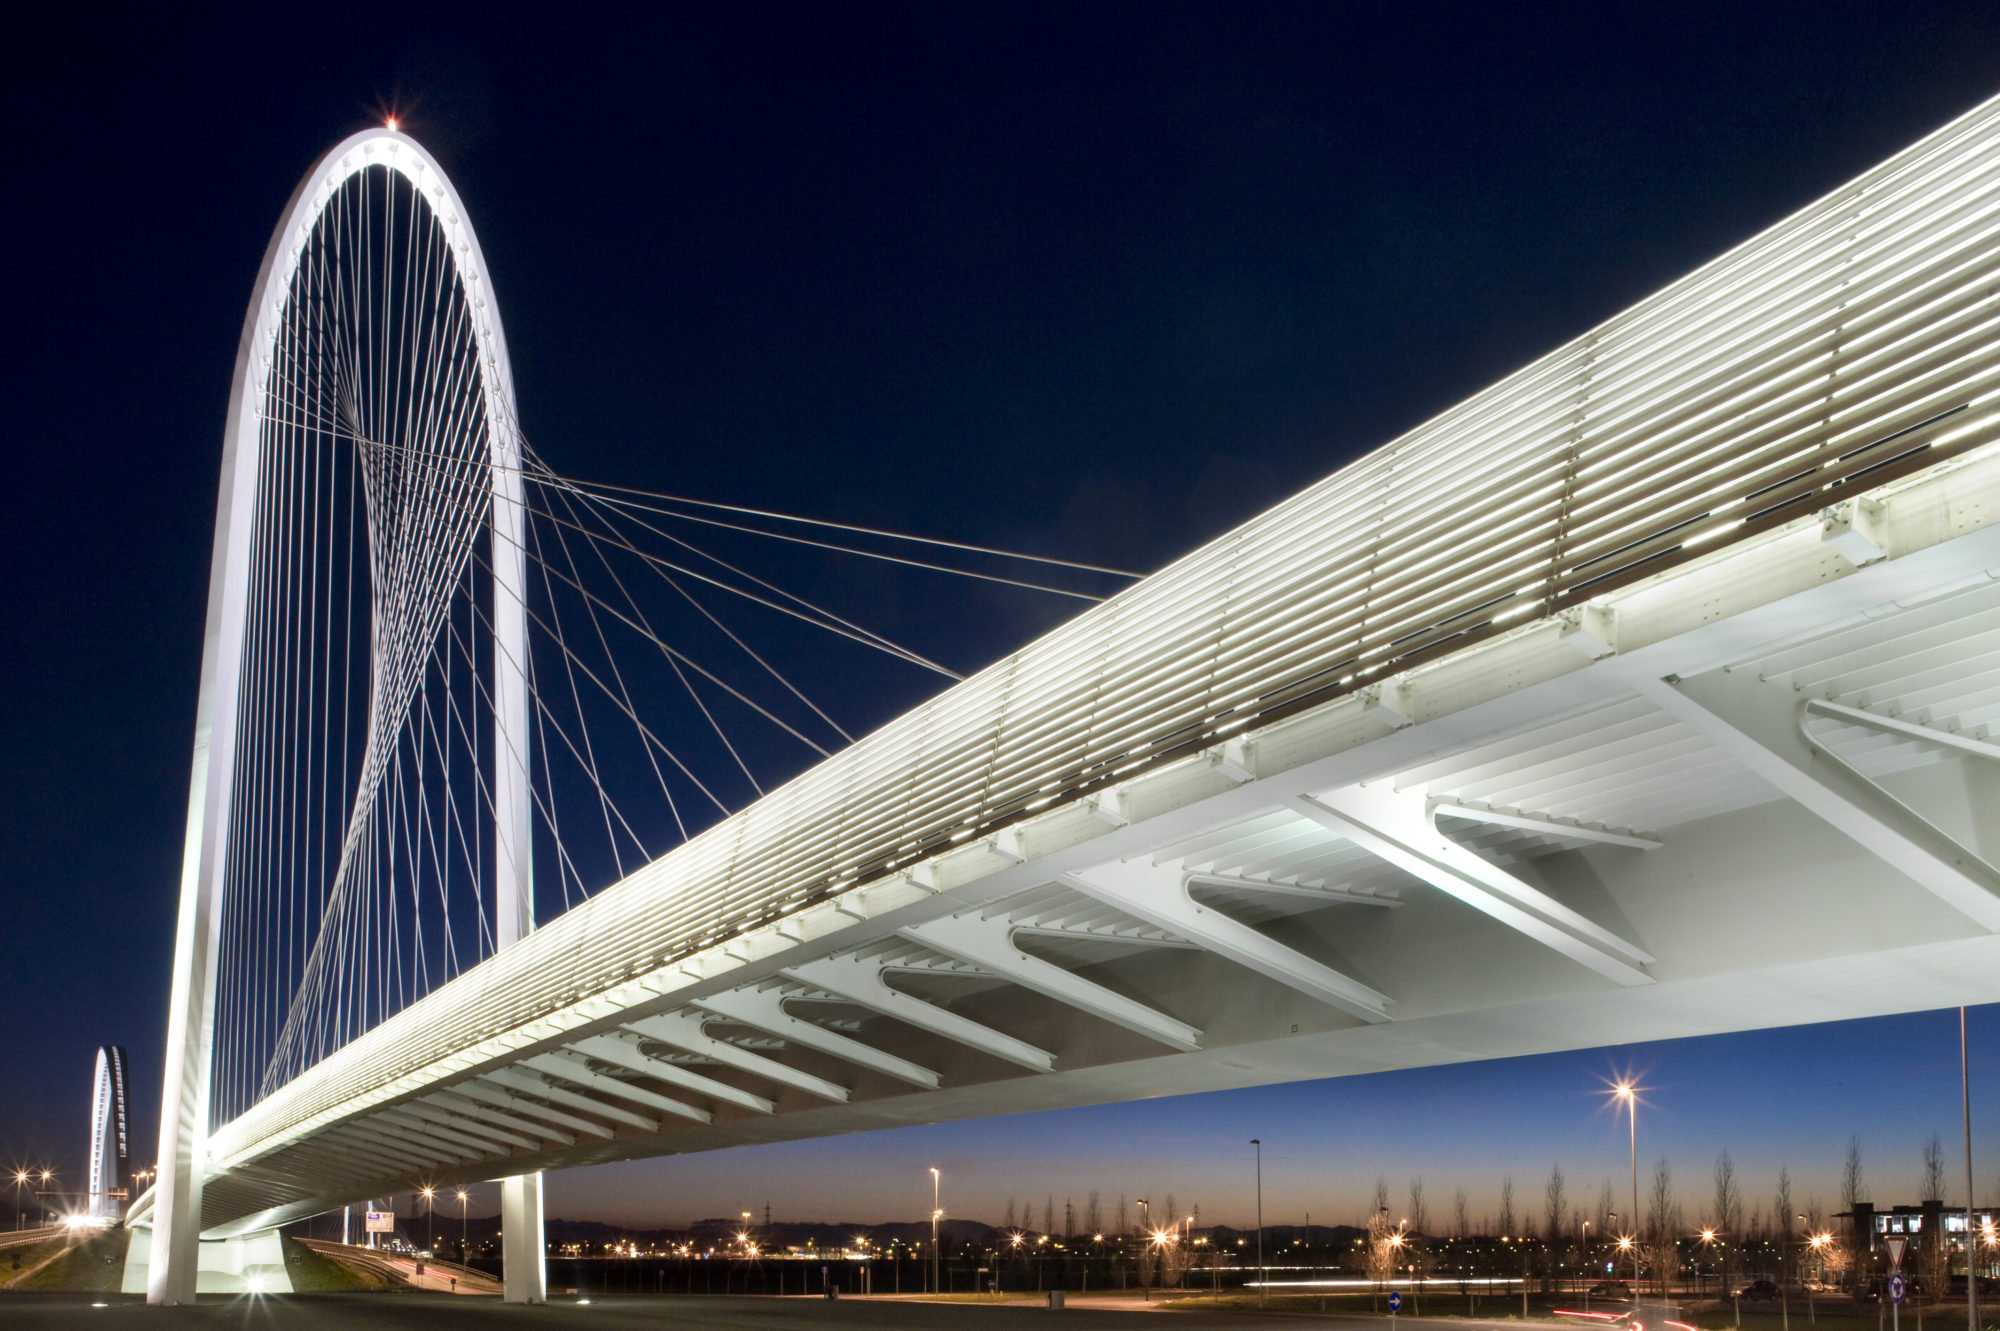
1400, 827
989, 943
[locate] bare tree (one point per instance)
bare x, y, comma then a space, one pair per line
1604, 1212
1420, 1216
1461, 1221
1124, 1224
1008, 1223
1049, 1215
1934, 1258
1381, 1196
1555, 1204
1728, 1211
1093, 1216
1507, 1205
1933, 1189
1383, 1234
1853, 1186
1782, 1216
1663, 1225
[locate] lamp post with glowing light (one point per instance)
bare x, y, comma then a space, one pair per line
430, 1219
47, 1174
937, 1214
1629, 1093
1701, 1272
1583, 1259
464, 1212
1818, 1243
1258, 1142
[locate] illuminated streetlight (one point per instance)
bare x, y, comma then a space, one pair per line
937, 1214
1628, 1092
464, 1211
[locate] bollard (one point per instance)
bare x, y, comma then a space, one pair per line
1055, 1298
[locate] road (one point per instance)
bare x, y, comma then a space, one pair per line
396, 1311
438, 1277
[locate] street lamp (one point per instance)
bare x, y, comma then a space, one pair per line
47, 1174
937, 1214
464, 1211
1258, 1142
1583, 1259
1629, 1093
1708, 1241
430, 1218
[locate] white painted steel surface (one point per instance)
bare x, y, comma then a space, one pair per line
1493, 742
188, 1084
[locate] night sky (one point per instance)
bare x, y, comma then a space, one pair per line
1097, 281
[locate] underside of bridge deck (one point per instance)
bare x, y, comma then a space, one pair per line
1707, 823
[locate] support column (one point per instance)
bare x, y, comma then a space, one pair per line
521, 1247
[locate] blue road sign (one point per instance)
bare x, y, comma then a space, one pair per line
1396, 1301
1896, 1287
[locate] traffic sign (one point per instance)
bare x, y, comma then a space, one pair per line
1896, 1287
1895, 1243
1395, 1301
381, 1222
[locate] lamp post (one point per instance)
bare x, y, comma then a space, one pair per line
937, 1214
1629, 1093
1701, 1273
430, 1219
20, 1178
1818, 1243
464, 1211
1258, 1142
1583, 1259
47, 1174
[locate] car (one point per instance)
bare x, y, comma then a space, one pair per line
1757, 1290
1611, 1289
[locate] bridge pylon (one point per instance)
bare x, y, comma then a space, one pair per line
388, 369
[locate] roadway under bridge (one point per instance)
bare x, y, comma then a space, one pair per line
1650, 693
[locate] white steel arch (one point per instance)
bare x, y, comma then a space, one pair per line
189, 1055
110, 1141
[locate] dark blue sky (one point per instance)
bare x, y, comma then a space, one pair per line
1098, 281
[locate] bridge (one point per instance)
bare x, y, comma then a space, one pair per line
1648, 693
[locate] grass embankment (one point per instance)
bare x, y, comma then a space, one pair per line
1831, 1314
93, 1265
1005, 1296
315, 1273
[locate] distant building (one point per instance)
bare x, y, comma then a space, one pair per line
1870, 1230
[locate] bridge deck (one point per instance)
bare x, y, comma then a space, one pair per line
1487, 743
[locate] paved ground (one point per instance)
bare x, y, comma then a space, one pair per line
394, 1312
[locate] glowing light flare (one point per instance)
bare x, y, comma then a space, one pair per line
391, 122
